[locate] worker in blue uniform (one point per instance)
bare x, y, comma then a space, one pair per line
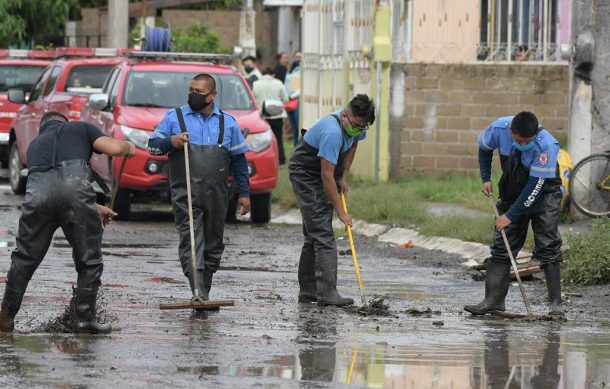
529, 191
319, 169
216, 147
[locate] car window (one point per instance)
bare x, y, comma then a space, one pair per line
37, 90
52, 80
170, 90
19, 76
87, 79
114, 91
110, 80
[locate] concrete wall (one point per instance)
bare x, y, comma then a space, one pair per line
225, 23
437, 110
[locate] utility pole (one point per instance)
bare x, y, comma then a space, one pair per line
589, 130
247, 28
118, 23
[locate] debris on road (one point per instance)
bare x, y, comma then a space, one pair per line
375, 307
426, 312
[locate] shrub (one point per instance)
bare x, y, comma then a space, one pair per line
197, 38
588, 257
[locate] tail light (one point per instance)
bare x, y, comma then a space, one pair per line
74, 109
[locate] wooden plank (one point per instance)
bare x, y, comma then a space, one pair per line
206, 305
526, 270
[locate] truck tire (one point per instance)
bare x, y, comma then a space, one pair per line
122, 204
15, 166
261, 208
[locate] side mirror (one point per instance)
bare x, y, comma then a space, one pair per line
98, 101
16, 96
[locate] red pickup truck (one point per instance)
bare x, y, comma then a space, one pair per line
63, 87
136, 96
18, 69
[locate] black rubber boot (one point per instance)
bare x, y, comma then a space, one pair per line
86, 299
207, 281
11, 302
497, 280
307, 276
553, 285
16, 284
203, 293
326, 281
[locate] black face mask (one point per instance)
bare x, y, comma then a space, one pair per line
198, 101
248, 69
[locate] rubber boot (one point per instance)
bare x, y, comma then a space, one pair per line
553, 285
203, 293
86, 299
307, 276
497, 280
11, 302
207, 282
15, 288
326, 281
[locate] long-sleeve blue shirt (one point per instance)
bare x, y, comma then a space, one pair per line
204, 130
541, 161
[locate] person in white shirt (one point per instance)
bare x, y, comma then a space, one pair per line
270, 95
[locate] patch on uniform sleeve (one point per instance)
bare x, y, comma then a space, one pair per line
543, 158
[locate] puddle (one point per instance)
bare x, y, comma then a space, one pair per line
500, 361
401, 290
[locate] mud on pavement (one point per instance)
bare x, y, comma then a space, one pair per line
268, 340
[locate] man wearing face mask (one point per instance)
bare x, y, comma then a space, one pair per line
251, 70
530, 190
216, 146
319, 170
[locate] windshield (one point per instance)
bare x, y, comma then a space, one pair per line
170, 90
19, 76
83, 78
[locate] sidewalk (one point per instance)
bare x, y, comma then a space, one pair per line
473, 253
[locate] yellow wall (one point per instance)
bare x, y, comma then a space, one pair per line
445, 30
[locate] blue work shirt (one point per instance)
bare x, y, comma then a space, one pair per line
203, 130
327, 136
541, 160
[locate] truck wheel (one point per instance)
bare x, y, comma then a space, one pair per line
122, 204
15, 166
261, 208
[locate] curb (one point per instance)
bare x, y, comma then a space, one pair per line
473, 253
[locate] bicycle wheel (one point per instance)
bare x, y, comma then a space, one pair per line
590, 185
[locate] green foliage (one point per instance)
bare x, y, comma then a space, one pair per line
587, 261
12, 26
32, 20
197, 38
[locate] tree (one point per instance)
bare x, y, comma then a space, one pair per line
197, 38
12, 27
40, 22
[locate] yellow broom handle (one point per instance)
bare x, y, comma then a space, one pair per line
354, 256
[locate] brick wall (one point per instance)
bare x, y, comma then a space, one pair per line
437, 110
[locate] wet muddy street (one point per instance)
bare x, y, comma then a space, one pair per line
268, 340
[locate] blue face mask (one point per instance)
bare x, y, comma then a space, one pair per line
523, 148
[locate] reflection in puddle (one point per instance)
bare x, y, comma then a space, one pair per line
401, 290
500, 362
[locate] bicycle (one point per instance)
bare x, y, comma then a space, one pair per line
590, 185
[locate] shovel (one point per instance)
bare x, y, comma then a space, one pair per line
513, 263
354, 256
196, 301
115, 189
